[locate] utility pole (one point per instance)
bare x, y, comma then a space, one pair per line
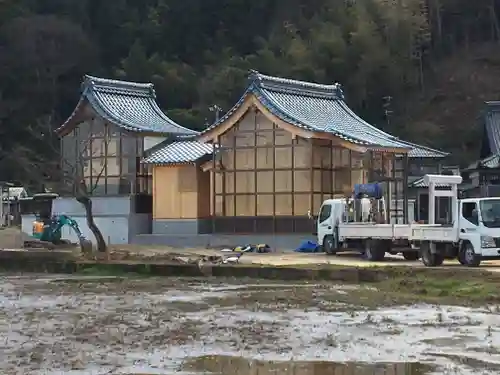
217, 110
387, 101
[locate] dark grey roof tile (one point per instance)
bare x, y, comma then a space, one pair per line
320, 108
182, 152
129, 105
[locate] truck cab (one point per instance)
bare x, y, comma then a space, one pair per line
479, 229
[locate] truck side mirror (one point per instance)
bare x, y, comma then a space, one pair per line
309, 215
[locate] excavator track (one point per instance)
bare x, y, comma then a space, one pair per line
37, 244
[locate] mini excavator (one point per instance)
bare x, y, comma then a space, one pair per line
47, 227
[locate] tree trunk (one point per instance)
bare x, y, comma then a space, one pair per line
87, 204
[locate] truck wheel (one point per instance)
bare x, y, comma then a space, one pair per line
329, 245
429, 259
374, 251
468, 257
411, 255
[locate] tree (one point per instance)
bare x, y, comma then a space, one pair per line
60, 174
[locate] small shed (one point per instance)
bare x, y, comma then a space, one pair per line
10, 207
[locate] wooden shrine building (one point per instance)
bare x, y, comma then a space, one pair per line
283, 148
103, 143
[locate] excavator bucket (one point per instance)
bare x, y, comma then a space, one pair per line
86, 246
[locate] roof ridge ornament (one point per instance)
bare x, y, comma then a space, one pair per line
339, 90
118, 86
293, 86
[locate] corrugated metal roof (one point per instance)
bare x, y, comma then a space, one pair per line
179, 153
320, 108
129, 105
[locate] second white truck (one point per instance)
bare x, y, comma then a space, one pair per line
472, 235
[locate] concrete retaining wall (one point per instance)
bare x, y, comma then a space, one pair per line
182, 227
113, 215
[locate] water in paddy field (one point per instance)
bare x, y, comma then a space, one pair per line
66, 325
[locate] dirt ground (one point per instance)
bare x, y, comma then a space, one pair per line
92, 325
13, 238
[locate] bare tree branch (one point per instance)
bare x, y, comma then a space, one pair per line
71, 173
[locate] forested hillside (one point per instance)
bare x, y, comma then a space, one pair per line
429, 64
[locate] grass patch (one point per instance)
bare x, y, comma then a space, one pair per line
410, 284
473, 286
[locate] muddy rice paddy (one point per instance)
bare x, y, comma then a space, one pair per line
91, 326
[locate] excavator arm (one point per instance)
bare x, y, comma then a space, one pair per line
85, 244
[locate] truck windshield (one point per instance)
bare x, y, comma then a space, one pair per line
490, 212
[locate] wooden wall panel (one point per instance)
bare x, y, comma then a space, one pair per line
229, 182
245, 182
187, 179
265, 181
282, 137
327, 182
166, 198
316, 181
247, 122
229, 205
245, 159
302, 156
265, 205
283, 157
219, 205
358, 160
284, 205
205, 197
283, 182
322, 156
301, 203
218, 178
227, 139
317, 202
227, 159
168, 201
262, 122
264, 138
302, 181
245, 205
342, 181
245, 139
265, 158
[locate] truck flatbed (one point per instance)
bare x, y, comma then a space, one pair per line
410, 232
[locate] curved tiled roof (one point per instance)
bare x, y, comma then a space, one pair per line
320, 108
129, 105
419, 151
180, 152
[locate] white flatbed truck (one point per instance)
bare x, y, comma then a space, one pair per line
472, 235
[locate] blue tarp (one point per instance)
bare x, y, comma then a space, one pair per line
308, 247
371, 190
